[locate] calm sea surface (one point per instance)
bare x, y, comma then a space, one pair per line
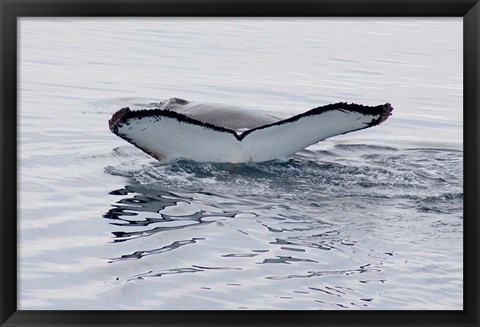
367, 220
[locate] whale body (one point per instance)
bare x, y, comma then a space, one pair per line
177, 128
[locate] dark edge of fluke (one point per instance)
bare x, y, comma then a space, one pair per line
380, 113
116, 118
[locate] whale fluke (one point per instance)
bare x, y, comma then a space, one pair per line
214, 133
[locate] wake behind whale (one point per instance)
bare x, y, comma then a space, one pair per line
222, 133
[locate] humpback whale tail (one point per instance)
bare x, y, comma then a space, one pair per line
181, 129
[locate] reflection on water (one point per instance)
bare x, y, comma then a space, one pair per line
324, 223
362, 269
133, 211
175, 245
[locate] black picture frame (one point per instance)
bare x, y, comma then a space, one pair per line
11, 10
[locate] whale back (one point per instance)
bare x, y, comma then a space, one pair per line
226, 116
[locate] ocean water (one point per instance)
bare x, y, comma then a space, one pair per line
367, 220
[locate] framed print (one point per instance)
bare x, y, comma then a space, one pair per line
221, 163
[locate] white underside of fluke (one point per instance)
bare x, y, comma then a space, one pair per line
169, 138
166, 137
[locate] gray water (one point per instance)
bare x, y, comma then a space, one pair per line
367, 220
